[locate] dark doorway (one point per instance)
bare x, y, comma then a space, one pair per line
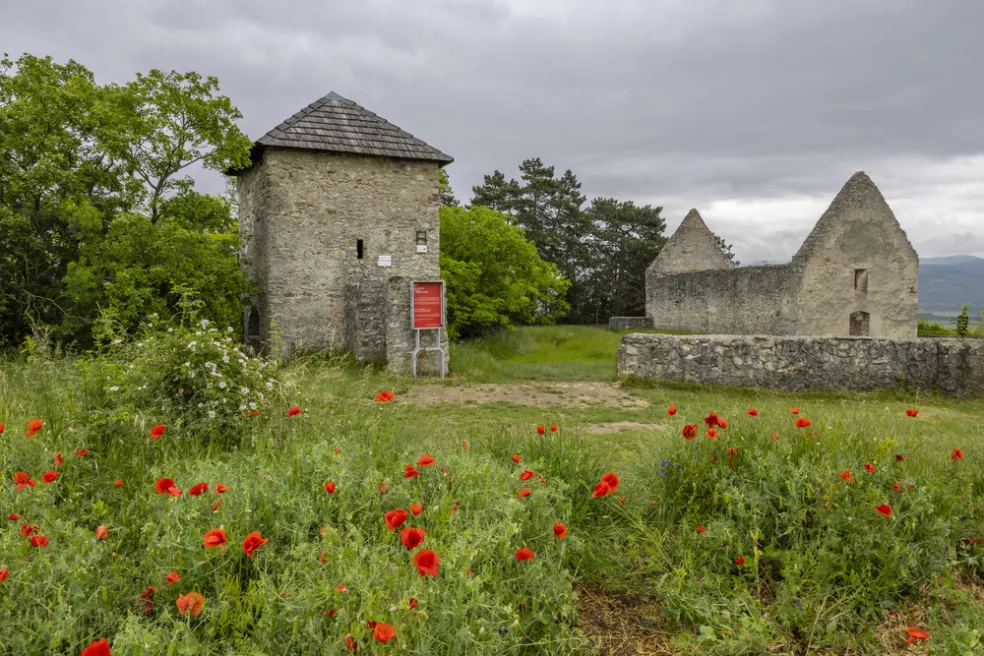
253, 323
860, 324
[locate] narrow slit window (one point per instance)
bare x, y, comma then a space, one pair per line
359, 249
861, 280
253, 323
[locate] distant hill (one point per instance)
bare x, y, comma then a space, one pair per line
946, 283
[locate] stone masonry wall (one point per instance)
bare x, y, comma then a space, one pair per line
954, 367
629, 323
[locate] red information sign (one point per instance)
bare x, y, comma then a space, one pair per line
428, 305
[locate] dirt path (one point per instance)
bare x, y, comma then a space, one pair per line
545, 394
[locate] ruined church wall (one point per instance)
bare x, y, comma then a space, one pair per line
954, 367
748, 300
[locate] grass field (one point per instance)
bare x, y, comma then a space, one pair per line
744, 544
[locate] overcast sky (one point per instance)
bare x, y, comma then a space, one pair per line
753, 111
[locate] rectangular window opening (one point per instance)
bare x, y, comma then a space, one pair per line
861, 280
359, 250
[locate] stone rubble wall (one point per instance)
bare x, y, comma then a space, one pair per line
954, 367
629, 323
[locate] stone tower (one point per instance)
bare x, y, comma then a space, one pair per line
339, 209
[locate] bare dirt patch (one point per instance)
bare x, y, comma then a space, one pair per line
568, 395
622, 625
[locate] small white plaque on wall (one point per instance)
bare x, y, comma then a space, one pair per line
384, 261
421, 248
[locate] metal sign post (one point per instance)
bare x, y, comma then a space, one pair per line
427, 313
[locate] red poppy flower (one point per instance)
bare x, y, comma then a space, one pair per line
351, 644
524, 554
672, 410
220, 488
846, 476
410, 472
612, 481
27, 530
700, 529
191, 603
464, 444
426, 562
911, 413
13, 517
385, 396
39, 541
49, 476
33, 427
722, 423
711, 420
740, 560
4, 572
870, 467
383, 632
59, 461
526, 475
884, 509
215, 538
515, 458
898, 457
425, 461
254, 413
916, 634
802, 422
81, 453
554, 428
148, 597
98, 648
341, 588
690, 431
732, 451
218, 503
198, 489
157, 431
540, 429
172, 578
412, 537
174, 491
1, 429
411, 603
752, 412
775, 436
601, 490
956, 454
294, 411
395, 517
101, 533
560, 531
22, 479
330, 487
712, 433
118, 482
795, 411
253, 542
525, 492
416, 508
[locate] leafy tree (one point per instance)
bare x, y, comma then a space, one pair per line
445, 190
493, 273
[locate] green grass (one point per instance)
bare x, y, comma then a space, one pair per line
823, 573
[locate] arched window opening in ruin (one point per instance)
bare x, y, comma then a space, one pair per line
860, 324
253, 323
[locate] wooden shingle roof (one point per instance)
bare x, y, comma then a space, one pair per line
338, 125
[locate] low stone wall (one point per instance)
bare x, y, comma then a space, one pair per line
629, 323
953, 367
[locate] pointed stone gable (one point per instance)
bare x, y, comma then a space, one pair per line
338, 125
691, 248
860, 203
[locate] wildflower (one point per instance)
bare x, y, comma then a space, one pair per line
795, 411
464, 444
711, 420
294, 411
911, 413
49, 477
898, 457
385, 396
611, 480
700, 529
253, 542
802, 422
1, 429
690, 431
101, 533
752, 412
39, 541
198, 489
411, 603
416, 508
172, 578
220, 488
81, 453
870, 467
426, 562
395, 517
712, 433
540, 429
425, 461
722, 423
601, 490
672, 410
330, 487
915, 634
191, 603
59, 461
341, 588
885, 510
526, 475
775, 436
4, 572
98, 648
846, 476
554, 428
383, 488
515, 458
383, 632
525, 492
13, 517
215, 538
157, 431
524, 554
27, 530
253, 413
33, 427
560, 531
740, 560
351, 644
956, 454
218, 503
412, 537
22, 479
